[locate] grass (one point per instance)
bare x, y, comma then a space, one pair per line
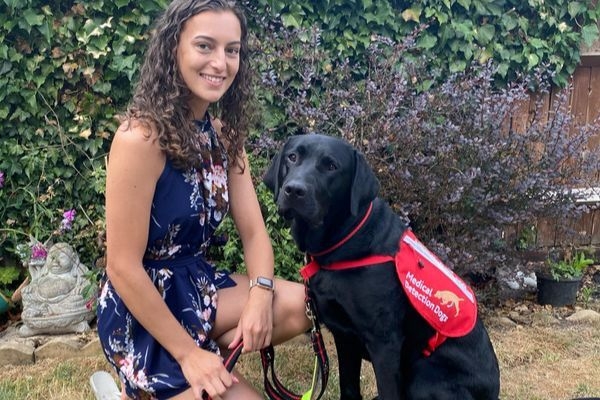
540, 359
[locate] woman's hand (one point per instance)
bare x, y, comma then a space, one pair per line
255, 327
205, 371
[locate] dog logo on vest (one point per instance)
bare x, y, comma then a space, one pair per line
434, 289
449, 299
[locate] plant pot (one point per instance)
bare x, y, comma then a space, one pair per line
557, 293
16, 297
4, 303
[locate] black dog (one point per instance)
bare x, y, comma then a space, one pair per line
328, 191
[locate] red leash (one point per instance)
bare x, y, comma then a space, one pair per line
275, 389
229, 364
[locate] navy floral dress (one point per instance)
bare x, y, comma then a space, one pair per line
186, 209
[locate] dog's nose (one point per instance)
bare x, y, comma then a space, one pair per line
294, 190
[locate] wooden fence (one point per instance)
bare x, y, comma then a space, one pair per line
584, 101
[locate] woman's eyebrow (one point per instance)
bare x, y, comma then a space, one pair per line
211, 39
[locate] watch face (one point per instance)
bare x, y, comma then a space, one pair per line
264, 281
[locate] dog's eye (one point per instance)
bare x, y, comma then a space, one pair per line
292, 157
329, 164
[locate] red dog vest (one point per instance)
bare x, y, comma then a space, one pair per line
442, 298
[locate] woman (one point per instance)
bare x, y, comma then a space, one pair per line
174, 172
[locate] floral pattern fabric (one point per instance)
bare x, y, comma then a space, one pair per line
186, 210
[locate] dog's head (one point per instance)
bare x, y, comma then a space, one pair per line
317, 178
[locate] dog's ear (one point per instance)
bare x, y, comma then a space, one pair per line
365, 185
272, 177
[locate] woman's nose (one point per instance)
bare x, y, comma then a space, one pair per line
218, 59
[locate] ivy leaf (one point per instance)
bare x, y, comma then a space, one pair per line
589, 34
502, 69
537, 43
485, 33
484, 56
86, 133
509, 22
14, 3
289, 21
4, 110
458, 66
465, 3
32, 18
426, 41
46, 31
121, 3
532, 60
575, 8
367, 4
411, 14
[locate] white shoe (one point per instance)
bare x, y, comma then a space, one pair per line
104, 386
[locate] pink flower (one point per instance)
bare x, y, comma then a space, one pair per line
38, 251
67, 222
1, 179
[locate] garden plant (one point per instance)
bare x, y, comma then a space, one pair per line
423, 88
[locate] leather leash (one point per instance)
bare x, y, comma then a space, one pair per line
275, 389
273, 386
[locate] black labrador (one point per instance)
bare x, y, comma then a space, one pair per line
324, 186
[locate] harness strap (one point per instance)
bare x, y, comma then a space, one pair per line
310, 269
433, 343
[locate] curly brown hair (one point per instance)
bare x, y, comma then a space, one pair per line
160, 99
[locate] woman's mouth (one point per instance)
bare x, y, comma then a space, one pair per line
214, 80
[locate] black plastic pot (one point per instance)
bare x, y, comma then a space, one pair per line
557, 293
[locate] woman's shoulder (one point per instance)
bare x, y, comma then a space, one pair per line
138, 134
136, 140
134, 130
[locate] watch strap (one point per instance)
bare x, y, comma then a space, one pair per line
263, 283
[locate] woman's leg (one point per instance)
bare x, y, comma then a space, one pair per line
242, 390
289, 317
289, 320
123, 393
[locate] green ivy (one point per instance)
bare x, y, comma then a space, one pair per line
517, 35
66, 70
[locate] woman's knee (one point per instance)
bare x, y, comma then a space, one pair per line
290, 316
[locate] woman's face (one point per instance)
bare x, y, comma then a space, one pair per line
208, 56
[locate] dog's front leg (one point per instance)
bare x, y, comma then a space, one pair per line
349, 360
386, 365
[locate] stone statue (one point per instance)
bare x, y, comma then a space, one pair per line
53, 302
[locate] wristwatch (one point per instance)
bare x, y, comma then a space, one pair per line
263, 283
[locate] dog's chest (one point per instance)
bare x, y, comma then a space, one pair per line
351, 300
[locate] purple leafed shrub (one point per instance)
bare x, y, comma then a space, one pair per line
449, 154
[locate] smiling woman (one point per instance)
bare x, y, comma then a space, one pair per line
175, 171
208, 56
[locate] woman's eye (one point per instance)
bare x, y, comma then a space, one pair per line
203, 46
233, 51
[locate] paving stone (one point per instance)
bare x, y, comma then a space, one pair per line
584, 316
60, 347
92, 348
17, 353
503, 321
